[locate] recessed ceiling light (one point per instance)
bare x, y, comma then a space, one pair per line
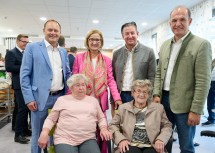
9, 30
43, 18
144, 24
95, 21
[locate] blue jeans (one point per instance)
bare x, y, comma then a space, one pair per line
37, 120
211, 103
186, 133
126, 96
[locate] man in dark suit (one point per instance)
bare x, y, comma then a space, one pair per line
71, 56
13, 60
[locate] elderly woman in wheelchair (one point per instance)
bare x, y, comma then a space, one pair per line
141, 126
75, 117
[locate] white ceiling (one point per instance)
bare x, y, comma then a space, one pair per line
75, 17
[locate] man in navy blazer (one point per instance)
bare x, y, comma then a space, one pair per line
43, 76
13, 60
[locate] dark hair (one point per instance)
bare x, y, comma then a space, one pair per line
52, 20
129, 24
73, 49
181, 6
61, 41
21, 36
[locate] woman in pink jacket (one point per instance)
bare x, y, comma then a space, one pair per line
98, 68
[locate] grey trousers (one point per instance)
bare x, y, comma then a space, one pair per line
89, 146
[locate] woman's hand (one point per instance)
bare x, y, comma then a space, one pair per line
159, 146
43, 139
117, 103
105, 134
123, 146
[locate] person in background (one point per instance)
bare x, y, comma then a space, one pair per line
43, 76
97, 67
183, 77
141, 126
71, 55
76, 117
211, 99
61, 41
131, 62
13, 61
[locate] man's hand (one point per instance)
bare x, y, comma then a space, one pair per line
32, 106
123, 146
159, 146
193, 119
156, 99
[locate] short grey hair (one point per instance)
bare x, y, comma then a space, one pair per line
142, 83
74, 79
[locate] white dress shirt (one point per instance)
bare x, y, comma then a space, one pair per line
56, 64
173, 57
128, 72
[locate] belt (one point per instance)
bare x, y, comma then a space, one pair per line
53, 93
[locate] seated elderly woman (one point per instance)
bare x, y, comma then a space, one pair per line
76, 117
141, 126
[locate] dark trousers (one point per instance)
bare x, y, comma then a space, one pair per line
126, 96
22, 114
211, 103
14, 113
133, 149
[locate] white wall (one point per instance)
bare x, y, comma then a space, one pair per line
201, 26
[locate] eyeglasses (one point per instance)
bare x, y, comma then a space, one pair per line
139, 92
80, 85
24, 41
94, 40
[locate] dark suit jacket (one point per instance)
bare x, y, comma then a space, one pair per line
13, 61
71, 61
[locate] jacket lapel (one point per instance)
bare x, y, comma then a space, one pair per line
44, 51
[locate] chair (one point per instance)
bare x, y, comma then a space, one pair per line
50, 148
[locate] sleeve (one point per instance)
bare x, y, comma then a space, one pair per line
10, 65
75, 68
111, 82
102, 122
114, 127
166, 128
53, 116
152, 66
157, 81
25, 74
202, 77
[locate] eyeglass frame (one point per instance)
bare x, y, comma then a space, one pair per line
139, 92
97, 40
26, 42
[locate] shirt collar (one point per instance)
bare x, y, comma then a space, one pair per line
49, 45
19, 48
181, 39
132, 48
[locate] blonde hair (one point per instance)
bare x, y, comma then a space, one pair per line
88, 36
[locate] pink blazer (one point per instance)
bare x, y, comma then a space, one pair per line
78, 66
